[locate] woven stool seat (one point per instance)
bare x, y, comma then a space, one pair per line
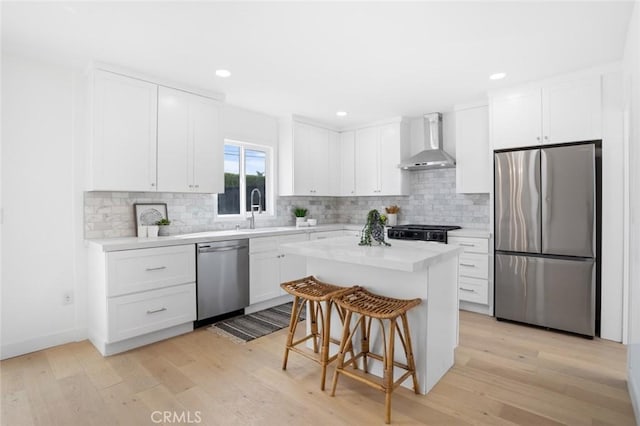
372, 305
311, 288
367, 307
316, 294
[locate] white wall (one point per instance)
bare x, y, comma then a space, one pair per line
41, 207
632, 114
612, 206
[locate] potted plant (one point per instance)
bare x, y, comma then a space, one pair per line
373, 230
300, 214
392, 215
163, 227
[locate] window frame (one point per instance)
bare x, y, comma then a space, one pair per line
269, 213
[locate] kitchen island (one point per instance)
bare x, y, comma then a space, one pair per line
405, 270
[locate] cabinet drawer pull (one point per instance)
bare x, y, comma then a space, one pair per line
467, 245
156, 311
156, 269
467, 289
469, 265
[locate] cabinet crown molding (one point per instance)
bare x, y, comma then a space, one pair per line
126, 72
598, 70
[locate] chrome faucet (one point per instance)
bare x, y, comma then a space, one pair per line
252, 223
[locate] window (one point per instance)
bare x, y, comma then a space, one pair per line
246, 168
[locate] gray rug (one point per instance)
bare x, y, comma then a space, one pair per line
245, 328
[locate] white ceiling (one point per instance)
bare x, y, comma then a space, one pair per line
373, 59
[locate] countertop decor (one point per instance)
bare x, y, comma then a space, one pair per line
373, 228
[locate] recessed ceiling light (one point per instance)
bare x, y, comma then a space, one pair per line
341, 113
498, 76
223, 73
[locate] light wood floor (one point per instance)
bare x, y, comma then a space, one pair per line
504, 374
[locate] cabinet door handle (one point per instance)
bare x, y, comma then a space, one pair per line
468, 265
467, 290
467, 245
546, 138
282, 255
157, 268
156, 311
537, 137
153, 184
197, 186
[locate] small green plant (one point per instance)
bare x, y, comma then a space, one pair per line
299, 212
163, 222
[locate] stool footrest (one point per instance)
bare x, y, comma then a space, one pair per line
381, 359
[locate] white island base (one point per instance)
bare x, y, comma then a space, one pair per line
406, 270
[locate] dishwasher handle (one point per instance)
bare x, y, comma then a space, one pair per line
213, 249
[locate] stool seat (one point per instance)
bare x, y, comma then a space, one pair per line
311, 288
361, 301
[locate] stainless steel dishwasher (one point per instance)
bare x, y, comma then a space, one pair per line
222, 278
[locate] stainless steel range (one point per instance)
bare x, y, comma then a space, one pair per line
436, 233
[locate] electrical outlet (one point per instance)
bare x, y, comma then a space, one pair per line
67, 298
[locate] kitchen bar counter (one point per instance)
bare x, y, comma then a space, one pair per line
406, 270
402, 255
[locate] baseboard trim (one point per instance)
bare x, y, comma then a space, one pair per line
474, 307
268, 304
42, 342
107, 349
634, 395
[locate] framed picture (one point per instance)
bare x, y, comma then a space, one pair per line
149, 213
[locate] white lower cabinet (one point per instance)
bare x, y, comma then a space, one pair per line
269, 267
473, 269
140, 313
140, 296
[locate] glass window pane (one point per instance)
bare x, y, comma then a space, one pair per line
255, 167
229, 202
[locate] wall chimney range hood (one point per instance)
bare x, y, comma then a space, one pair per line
432, 156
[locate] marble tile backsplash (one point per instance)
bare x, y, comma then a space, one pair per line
433, 200
111, 214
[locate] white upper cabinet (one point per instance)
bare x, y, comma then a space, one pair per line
559, 111
378, 151
473, 162
366, 164
390, 176
123, 154
335, 163
347, 160
304, 156
516, 119
190, 149
572, 111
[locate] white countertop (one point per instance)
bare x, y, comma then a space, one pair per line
470, 232
409, 256
130, 243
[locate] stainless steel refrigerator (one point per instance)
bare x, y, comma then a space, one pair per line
546, 236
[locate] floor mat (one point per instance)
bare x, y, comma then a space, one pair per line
245, 328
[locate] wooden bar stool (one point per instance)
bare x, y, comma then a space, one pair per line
311, 290
369, 306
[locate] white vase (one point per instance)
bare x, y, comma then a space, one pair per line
392, 219
152, 231
300, 221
